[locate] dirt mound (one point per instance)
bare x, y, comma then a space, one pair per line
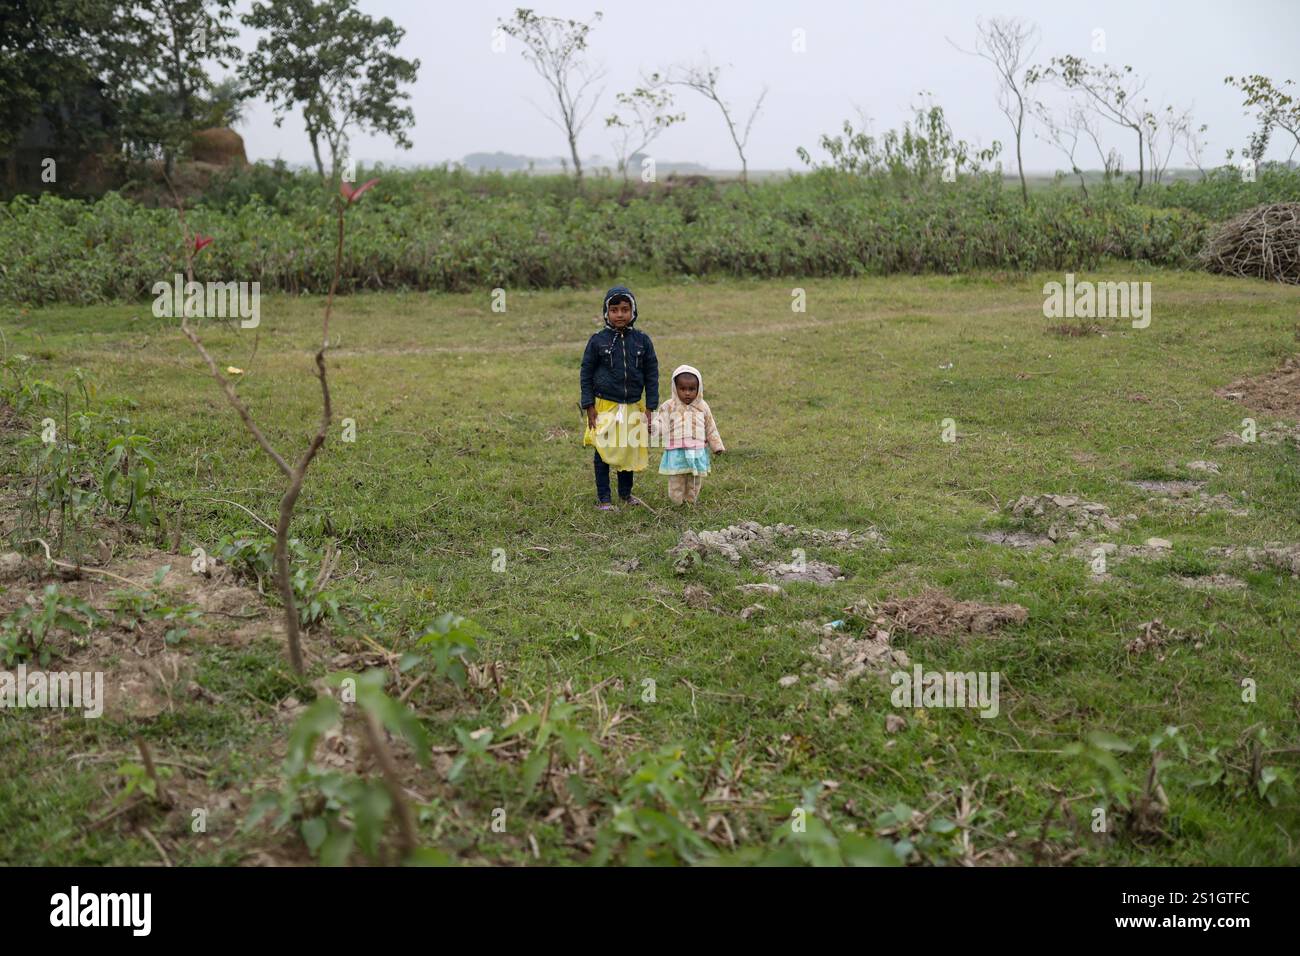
935, 613
1064, 516
731, 542
815, 572
1261, 243
1276, 392
735, 540
842, 658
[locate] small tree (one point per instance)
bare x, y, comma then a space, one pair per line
294, 473
924, 150
555, 48
337, 65
1008, 43
703, 79
1111, 93
643, 114
1274, 108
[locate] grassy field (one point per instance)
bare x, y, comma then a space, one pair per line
467, 440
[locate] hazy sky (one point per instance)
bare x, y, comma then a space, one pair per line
872, 56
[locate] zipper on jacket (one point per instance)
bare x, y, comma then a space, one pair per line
623, 339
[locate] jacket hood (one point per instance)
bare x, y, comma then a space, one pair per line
699, 396
612, 293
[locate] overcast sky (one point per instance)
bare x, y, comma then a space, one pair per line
869, 56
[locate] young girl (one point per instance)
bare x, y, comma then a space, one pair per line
688, 432
618, 365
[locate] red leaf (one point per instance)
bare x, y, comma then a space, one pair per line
200, 242
352, 195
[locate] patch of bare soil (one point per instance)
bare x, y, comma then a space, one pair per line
143, 675
731, 542
1016, 539
1066, 516
1149, 550
1274, 555
1276, 392
935, 613
1189, 496
1274, 434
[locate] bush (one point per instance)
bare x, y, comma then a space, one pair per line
449, 230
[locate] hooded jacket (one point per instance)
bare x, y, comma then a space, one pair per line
618, 365
679, 425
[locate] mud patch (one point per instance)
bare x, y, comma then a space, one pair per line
1276, 392
936, 613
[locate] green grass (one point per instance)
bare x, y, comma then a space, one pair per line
832, 419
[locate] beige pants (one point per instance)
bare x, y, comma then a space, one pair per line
684, 488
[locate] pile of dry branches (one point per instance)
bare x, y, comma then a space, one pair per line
1263, 243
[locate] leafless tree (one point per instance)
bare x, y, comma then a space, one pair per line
1166, 128
1008, 43
556, 47
703, 79
1194, 145
1113, 94
1063, 132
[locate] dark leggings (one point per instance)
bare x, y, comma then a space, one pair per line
602, 481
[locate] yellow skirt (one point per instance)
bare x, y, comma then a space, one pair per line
621, 436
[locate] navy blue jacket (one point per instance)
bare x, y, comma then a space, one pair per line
619, 365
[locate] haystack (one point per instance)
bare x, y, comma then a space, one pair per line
1263, 243
219, 145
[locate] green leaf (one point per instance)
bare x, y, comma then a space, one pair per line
314, 832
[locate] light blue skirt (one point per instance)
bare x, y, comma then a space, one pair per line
684, 461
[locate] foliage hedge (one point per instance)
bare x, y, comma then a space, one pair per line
456, 231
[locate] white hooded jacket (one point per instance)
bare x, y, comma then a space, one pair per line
678, 425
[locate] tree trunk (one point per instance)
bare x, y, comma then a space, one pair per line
573, 151
315, 151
